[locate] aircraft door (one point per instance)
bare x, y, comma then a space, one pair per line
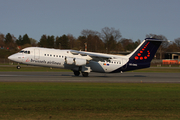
36, 54
22, 57
124, 62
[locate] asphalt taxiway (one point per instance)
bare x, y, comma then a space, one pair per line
127, 77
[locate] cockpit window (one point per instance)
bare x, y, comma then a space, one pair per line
21, 51
26, 52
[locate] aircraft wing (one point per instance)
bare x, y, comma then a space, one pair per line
93, 56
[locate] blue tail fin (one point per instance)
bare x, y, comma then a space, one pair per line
141, 57
144, 53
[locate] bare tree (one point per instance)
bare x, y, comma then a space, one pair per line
172, 48
177, 42
87, 32
110, 36
127, 44
107, 32
164, 44
92, 39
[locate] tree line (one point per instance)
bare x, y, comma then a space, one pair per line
107, 41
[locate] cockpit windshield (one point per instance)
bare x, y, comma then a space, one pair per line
21, 51
26, 52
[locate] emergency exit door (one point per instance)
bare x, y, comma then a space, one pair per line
36, 54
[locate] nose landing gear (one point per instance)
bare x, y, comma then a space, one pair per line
18, 67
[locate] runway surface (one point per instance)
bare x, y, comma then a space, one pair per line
128, 77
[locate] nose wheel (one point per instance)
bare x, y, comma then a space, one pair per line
18, 67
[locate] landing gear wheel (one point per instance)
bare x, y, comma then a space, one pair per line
85, 74
76, 73
18, 67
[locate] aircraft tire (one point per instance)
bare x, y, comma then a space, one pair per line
76, 73
18, 67
85, 74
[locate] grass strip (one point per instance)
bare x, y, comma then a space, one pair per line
99, 101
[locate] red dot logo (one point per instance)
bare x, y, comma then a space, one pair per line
136, 57
139, 54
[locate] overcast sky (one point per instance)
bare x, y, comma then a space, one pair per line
134, 18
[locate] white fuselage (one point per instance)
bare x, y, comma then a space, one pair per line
85, 62
67, 59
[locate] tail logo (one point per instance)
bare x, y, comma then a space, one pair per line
138, 56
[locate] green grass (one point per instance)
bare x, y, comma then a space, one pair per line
104, 101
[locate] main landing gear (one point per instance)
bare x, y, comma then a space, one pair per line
76, 73
84, 74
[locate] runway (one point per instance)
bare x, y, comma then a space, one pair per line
127, 77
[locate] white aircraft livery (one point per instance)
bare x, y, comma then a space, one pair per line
86, 62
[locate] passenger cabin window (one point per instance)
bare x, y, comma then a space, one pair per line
52, 55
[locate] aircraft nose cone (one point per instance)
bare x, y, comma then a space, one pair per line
12, 57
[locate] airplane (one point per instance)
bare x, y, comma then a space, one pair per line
86, 62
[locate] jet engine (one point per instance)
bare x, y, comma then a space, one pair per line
80, 62
69, 60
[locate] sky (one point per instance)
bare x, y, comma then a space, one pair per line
133, 18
